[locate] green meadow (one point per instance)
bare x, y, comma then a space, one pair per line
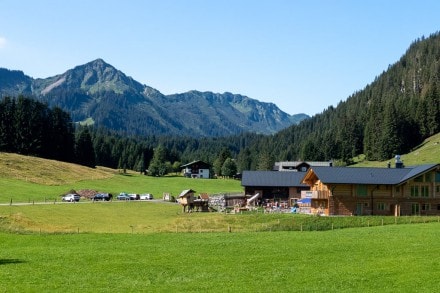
391, 258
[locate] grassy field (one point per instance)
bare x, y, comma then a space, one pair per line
394, 258
146, 217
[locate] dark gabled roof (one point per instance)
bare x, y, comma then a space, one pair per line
272, 178
201, 163
356, 175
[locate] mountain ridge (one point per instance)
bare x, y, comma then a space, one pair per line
98, 91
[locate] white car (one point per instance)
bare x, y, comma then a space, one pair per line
71, 197
146, 196
134, 196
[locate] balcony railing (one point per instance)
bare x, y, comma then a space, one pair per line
317, 194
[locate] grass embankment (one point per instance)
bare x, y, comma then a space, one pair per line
395, 258
427, 152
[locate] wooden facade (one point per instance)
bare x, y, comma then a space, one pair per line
415, 194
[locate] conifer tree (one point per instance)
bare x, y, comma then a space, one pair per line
84, 152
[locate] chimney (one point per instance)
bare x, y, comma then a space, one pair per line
399, 163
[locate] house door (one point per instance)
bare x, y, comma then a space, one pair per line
415, 209
359, 209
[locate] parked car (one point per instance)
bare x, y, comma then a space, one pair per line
134, 196
146, 196
71, 197
123, 196
102, 197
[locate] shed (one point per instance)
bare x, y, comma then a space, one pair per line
187, 197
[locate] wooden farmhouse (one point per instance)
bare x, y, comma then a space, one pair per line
374, 191
273, 186
196, 169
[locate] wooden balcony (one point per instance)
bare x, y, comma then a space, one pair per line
316, 194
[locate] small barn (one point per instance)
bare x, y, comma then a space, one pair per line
189, 201
274, 186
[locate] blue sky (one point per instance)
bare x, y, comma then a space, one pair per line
301, 55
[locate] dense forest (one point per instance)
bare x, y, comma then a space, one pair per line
390, 116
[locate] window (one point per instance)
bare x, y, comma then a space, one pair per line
419, 179
425, 191
437, 189
437, 177
361, 190
428, 177
397, 189
381, 206
414, 191
426, 206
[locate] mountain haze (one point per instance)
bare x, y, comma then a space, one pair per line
100, 93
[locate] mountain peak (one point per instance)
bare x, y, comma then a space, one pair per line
99, 76
98, 64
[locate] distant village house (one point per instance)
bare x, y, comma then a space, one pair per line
196, 169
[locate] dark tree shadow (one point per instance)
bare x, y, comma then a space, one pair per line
10, 261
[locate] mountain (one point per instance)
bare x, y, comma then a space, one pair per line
100, 93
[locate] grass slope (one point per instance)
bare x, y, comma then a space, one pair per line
427, 152
28, 179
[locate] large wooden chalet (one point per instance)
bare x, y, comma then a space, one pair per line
374, 191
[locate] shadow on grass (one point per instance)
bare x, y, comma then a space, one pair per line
10, 261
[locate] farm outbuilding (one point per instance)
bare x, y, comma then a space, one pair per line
189, 201
274, 186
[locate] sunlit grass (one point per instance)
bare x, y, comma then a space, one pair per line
395, 258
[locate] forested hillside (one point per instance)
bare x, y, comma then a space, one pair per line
394, 113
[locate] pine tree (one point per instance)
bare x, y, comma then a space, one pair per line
390, 142
7, 129
158, 165
84, 152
